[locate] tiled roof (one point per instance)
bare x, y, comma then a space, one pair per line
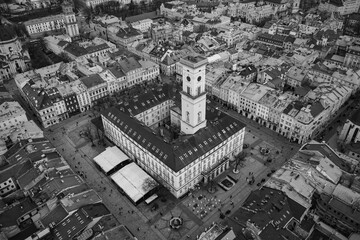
328, 152
55, 216
15, 171
92, 80
183, 151
117, 72
355, 118
62, 43
75, 50
316, 109
129, 64
143, 16
127, 32
9, 217
267, 207
146, 101
96, 48
38, 97
72, 225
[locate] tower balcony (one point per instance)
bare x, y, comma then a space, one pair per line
191, 96
194, 61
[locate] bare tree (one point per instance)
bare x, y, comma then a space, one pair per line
238, 160
149, 184
87, 134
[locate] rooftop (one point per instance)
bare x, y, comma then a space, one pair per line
182, 152
73, 202
55, 216
72, 225
194, 61
119, 232
146, 101
268, 207
10, 216
328, 152
129, 64
92, 80
355, 117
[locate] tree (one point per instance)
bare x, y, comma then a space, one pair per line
132, 7
148, 184
87, 134
212, 187
238, 160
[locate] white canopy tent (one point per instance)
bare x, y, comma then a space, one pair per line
134, 181
110, 158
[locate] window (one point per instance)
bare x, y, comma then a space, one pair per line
188, 90
187, 116
199, 117
199, 90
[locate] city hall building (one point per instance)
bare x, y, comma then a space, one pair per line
209, 139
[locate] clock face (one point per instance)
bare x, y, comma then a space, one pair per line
188, 78
199, 79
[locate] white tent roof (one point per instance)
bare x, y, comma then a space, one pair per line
110, 158
131, 178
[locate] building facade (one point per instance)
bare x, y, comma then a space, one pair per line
180, 164
14, 59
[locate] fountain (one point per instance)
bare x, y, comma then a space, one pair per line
176, 222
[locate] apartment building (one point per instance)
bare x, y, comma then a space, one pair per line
82, 95
151, 70
352, 56
249, 100
343, 8
142, 25
350, 132
41, 104
95, 86
12, 115
332, 74
133, 70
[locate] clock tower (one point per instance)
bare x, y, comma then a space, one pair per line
193, 95
71, 26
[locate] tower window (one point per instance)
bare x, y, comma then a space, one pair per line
199, 78
199, 117
199, 90
187, 116
188, 90
188, 78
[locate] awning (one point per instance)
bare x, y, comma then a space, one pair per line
152, 198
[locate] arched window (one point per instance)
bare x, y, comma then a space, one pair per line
187, 116
199, 117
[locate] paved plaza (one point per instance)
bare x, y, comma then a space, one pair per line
198, 210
